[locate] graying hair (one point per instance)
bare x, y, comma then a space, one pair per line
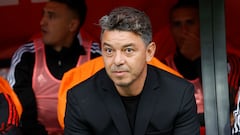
128, 19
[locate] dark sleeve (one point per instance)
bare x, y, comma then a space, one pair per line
13, 130
23, 87
233, 79
73, 123
187, 122
95, 55
95, 50
9, 119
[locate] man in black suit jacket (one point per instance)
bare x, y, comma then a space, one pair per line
128, 96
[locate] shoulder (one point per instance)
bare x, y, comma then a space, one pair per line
233, 60
95, 50
95, 47
88, 93
167, 87
233, 64
89, 85
165, 75
233, 68
25, 51
23, 59
27, 47
168, 81
24, 55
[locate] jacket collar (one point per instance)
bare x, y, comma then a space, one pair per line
116, 108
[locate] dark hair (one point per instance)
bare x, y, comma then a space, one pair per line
185, 3
77, 6
128, 19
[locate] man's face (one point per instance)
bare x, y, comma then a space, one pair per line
185, 26
56, 23
125, 57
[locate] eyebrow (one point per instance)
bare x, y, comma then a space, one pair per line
48, 11
126, 45
51, 12
106, 44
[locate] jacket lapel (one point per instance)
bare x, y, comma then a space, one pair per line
146, 104
115, 106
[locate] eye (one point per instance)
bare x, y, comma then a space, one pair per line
108, 51
190, 22
51, 15
176, 24
128, 51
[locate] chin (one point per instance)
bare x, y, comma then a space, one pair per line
46, 41
122, 83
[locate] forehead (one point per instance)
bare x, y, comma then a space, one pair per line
185, 13
120, 38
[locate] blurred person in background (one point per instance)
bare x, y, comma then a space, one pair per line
185, 29
38, 66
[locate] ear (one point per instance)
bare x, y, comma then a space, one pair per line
74, 25
151, 48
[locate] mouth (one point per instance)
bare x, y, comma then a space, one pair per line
119, 73
43, 31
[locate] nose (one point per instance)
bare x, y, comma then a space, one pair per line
184, 28
43, 20
119, 58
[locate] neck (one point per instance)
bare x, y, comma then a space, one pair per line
67, 43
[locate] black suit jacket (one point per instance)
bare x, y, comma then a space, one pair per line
166, 107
